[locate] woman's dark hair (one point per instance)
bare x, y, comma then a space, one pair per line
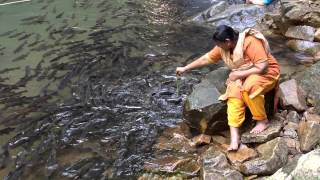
224, 32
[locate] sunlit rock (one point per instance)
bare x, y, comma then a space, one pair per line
291, 95
273, 156
306, 167
301, 32
309, 135
215, 166
271, 132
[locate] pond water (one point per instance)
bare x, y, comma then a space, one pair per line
87, 86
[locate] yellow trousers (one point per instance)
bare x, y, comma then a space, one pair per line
236, 109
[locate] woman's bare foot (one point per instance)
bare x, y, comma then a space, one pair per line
235, 139
260, 126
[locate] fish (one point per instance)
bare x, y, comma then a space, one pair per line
59, 15
25, 36
7, 33
16, 35
21, 57
20, 47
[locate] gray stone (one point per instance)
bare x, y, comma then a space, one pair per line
309, 81
291, 133
309, 47
271, 132
309, 135
291, 95
306, 167
301, 12
202, 109
239, 16
215, 166
293, 116
273, 156
301, 32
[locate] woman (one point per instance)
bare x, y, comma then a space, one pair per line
254, 72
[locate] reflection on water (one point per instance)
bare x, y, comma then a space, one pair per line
86, 86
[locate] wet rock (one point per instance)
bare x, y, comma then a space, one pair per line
220, 139
177, 143
301, 12
304, 46
301, 32
306, 167
181, 128
239, 16
202, 108
309, 81
273, 156
309, 135
215, 166
317, 35
244, 153
293, 116
186, 165
271, 132
201, 139
292, 96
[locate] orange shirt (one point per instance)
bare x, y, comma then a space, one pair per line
253, 52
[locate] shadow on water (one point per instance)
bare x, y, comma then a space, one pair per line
87, 86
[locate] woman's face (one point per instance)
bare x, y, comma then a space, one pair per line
226, 45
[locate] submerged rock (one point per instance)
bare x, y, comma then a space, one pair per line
309, 135
306, 167
271, 132
301, 32
215, 166
292, 96
273, 156
293, 116
202, 108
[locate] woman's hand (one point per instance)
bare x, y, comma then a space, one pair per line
234, 75
180, 70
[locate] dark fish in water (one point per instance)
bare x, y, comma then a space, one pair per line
73, 16
21, 57
7, 33
16, 35
49, 27
54, 10
20, 47
59, 15
25, 36
35, 43
44, 7
8, 70
6, 130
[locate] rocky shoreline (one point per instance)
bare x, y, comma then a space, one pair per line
288, 149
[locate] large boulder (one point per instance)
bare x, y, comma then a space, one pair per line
304, 46
202, 109
273, 156
309, 135
306, 167
239, 16
301, 12
215, 166
292, 96
309, 82
301, 32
